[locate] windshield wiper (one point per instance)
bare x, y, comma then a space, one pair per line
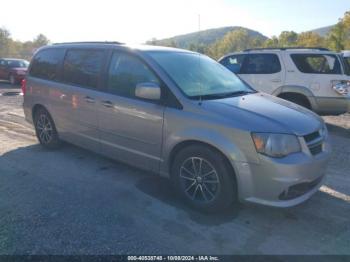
223, 95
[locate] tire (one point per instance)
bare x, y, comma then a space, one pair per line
12, 79
297, 99
203, 179
45, 129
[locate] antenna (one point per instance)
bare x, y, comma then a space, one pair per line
199, 60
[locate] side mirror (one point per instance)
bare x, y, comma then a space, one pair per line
150, 91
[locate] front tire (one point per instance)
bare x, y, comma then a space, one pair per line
204, 179
45, 129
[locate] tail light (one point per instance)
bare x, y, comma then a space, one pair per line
341, 87
24, 86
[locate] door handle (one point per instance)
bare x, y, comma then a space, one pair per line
275, 80
107, 103
89, 99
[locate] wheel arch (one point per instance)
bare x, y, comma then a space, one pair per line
35, 109
299, 91
186, 143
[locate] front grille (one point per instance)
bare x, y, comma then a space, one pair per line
308, 138
314, 142
316, 149
299, 189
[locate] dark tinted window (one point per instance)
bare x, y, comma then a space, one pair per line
346, 65
233, 63
125, 72
261, 64
46, 63
83, 67
317, 63
17, 63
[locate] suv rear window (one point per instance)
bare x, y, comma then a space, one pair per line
233, 63
83, 67
317, 63
46, 63
261, 64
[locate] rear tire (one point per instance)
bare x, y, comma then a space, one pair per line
297, 99
45, 129
203, 178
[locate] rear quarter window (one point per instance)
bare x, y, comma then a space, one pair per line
261, 64
233, 63
45, 64
82, 67
317, 63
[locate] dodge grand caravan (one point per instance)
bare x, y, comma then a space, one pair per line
181, 115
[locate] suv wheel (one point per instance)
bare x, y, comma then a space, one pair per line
203, 178
45, 129
297, 99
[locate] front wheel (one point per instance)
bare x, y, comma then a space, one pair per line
204, 179
45, 129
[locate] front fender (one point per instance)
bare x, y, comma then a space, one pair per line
228, 144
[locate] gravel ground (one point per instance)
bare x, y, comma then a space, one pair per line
72, 201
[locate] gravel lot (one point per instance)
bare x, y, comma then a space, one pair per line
72, 201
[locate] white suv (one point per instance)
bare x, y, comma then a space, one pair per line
315, 78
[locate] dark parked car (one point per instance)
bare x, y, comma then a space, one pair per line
13, 70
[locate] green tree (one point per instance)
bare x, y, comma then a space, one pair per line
271, 42
5, 42
287, 39
310, 39
40, 41
236, 40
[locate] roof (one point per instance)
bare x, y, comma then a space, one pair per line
288, 48
318, 50
118, 44
13, 59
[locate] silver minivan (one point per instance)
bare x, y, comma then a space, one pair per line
179, 114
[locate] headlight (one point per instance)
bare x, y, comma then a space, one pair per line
276, 145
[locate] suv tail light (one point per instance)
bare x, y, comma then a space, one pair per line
341, 87
24, 86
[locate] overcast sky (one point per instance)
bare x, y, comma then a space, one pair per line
136, 21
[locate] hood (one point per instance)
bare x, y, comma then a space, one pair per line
261, 112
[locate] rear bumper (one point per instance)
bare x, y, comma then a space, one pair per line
332, 105
283, 182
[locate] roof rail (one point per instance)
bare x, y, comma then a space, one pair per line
91, 42
287, 48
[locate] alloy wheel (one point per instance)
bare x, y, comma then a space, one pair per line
44, 128
199, 180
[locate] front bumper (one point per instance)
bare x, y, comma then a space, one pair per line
283, 182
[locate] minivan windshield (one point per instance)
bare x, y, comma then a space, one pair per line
198, 76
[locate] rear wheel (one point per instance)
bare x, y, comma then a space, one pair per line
45, 129
297, 99
203, 178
